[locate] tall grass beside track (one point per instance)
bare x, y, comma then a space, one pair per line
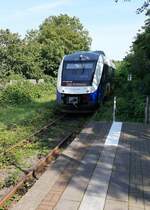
128, 109
24, 108
18, 118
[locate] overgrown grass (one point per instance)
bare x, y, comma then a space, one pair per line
104, 113
23, 92
27, 155
18, 121
129, 109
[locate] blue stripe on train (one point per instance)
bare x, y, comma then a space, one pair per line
96, 96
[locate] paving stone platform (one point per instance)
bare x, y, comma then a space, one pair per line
93, 174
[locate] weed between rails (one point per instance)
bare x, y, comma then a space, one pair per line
20, 160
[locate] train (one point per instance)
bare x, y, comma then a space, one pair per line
84, 79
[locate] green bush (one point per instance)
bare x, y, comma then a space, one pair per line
23, 92
14, 76
49, 79
131, 108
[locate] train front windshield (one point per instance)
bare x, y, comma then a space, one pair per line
78, 73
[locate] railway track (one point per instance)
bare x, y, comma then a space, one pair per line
28, 140
33, 173
38, 169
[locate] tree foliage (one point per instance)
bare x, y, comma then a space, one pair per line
131, 95
60, 35
144, 6
10, 51
41, 50
139, 58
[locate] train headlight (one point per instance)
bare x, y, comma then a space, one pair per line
88, 90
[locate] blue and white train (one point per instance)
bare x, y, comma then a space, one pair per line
84, 79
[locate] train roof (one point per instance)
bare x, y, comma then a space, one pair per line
84, 55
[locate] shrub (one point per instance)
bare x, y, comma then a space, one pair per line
23, 92
131, 108
14, 76
49, 79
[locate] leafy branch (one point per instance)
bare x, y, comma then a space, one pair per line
141, 9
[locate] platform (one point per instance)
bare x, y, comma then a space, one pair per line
107, 167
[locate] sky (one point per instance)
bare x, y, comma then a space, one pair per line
112, 26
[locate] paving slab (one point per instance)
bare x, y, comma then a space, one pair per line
79, 182
67, 205
95, 195
89, 175
39, 195
130, 179
136, 199
115, 205
35, 195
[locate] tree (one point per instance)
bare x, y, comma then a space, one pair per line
139, 57
145, 5
9, 52
41, 51
16, 56
60, 35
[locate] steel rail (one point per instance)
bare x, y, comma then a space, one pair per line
40, 167
28, 139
